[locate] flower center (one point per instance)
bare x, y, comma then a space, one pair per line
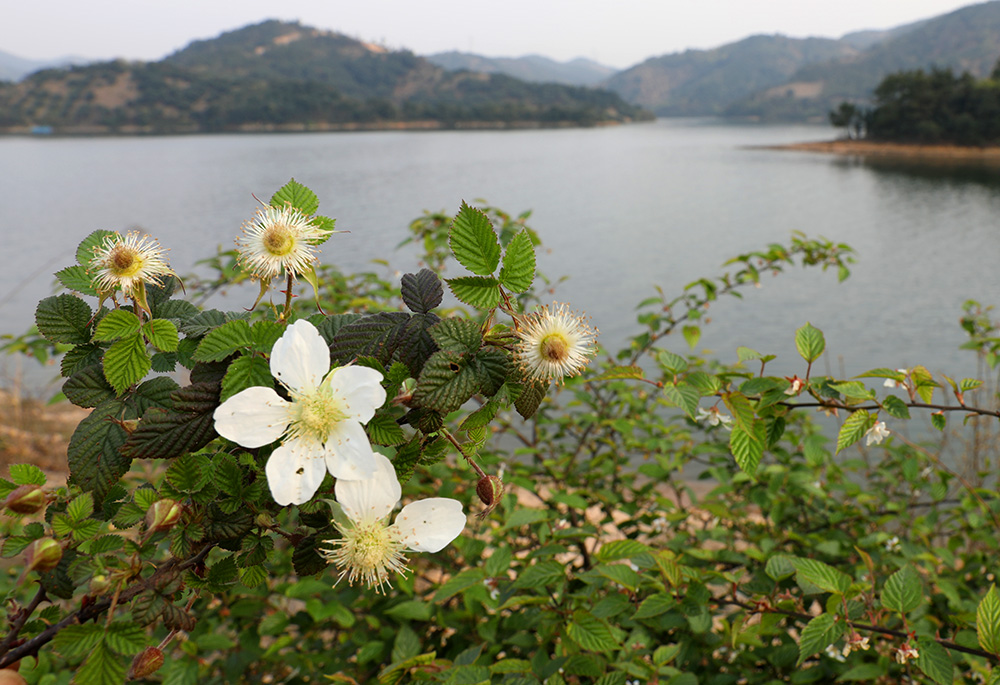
124, 261
314, 414
369, 551
554, 347
278, 240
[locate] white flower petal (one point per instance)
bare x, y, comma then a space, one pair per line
348, 453
430, 524
300, 358
361, 390
372, 498
294, 472
253, 417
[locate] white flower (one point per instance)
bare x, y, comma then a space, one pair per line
855, 643
713, 417
834, 653
127, 263
321, 426
876, 433
659, 524
890, 383
554, 343
796, 386
892, 544
276, 239
369, 548
906, 652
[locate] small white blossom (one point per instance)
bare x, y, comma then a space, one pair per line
892, 544
891, 383
659, 524
554, 343
370, 548
795, 387
278, 239
834, 653
322, 426
876, 433
713, 417
906, 652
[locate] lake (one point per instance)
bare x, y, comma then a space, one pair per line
619, 209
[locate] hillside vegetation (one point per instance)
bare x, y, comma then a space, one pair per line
278, 75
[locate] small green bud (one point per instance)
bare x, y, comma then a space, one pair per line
25, 499
99, 584
162, 515
145, 663
43, 555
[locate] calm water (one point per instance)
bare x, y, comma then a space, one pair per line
620, 210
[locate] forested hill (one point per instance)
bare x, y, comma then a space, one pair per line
286, 76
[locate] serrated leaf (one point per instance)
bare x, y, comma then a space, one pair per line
80, 507
671, 362
126, 363
77, 640
809, 342
486, 413
102, 667
458, 583
115, 325
85, 250
745, 354
79, 358
518, 270
616, 372
375, 335
457, 335
591, 633
748, 448
223, 341
821, 575
742, 411
162, 335
988, 621
88, 388
621, 574
654, 605
446, 382
530, 397
77, 279
64, 319
298, 196
383, 430
683, 396
821, 632
855, 390
779, 566
422, 291
490, 367
125, 638
189, 473
244, 372
541, 575
482, 292
26, 474
967, 384
474, 242
187, 427
939, 421
94, 456
934, 662
620, 549
854, 428
902, 591
895, 407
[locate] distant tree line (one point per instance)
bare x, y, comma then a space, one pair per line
935, 107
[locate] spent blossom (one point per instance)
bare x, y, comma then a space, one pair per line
855, 643
554, 343
127, 263
279, 239
876, 433
795, 387
370, 548
906, 652
321, 428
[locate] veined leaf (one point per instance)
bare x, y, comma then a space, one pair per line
988, 621
95, 459
88, 388
117, 324
616, 372
819, 633
187, 427
590, 633
162, 334
474, 242
518, 270
692, 334
422, 291
482, 292
245, 372
902, 591
446, 382
895, 407
457, 335
742, 411
821, 575
809, 342
223, 341
296, 195
77, 279
126, 363
748, 448
85, 250
854, 390
64, 319
684, 396
854, 427
934, 662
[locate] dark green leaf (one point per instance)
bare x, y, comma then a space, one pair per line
94, 453
934, 661
819, 633
223, 341
85, 250
376, 335
422, 291
77, 279
64, 319
591, 633
902, 591
895, 407
244, 372
457, 335
187, 427
88, 388
748, 448
446, 382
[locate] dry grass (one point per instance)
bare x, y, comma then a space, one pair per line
33, 433
865, 148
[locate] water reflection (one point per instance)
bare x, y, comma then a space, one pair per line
953, 173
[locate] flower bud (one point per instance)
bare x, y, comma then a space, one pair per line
25, 499
99, 584
490, 490
162, 515
145, 663
43, 555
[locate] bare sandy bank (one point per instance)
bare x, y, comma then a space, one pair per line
901, 151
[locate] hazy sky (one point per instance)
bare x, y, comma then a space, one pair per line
618, 33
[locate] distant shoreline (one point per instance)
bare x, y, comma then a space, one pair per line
899, 151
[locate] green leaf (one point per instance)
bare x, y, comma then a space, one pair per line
376, 335
422, 291
821, 575
854, 428
474, 242
742, 411
654, 605
26, 474
673, 363
518, 270
264, 334
482, 292
223, 341
383, 430
684, 396
855, 390
934, 661
187, 427
64, 319
458, 583
591, 633
77, 640
895, 407
967, 384
162, 335
244, 372
189, 473
125, 638
621, 549
541, 575
85, 250
779, 566
80, 507
621, 574
298, 196
617, 372
692, 334
939, 421
748, 448
988, 621
457, 335
486, 413
809, 342
902, 591
77, 279
117, 324
446, 382
126, 363
102, 667
819, 633
95, 460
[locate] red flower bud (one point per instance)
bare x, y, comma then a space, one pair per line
43, 555
25, 499
145, 663
490, 490
162, 515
